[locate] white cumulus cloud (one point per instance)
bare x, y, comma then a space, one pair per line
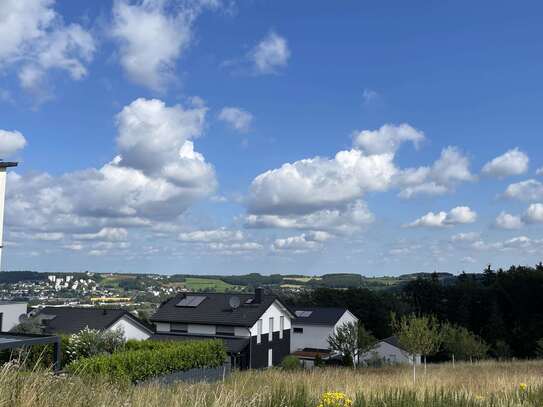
513, 162
212, 235
456, 216
387, 139
11, 142
35, 39
534, 213
301, 243
529, 190
507, 221
238, 118
271, 54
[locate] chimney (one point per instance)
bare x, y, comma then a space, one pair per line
258, 295
3, 172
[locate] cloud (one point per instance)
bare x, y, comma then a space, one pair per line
155, 178
517, 244
513, 162
302, 243
271, 54
465, 237
208, 236
456, 216
343, 221
238, 118
451, 169
153, 35
314, 184
534, 213
507, 221
529, 190
35, 39
370, 96
539, 171
11, 142
386, 139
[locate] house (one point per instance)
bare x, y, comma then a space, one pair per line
10, 314
254, 327
313, 325
389, 351
69, 320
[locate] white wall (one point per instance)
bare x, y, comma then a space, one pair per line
316, 336
11, 312
131, 329
275, 311
389, 354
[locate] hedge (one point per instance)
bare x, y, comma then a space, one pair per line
148, 359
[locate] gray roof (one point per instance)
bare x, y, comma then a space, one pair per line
318, 315
393, 340
73, 319
7, 164
214, 310
232, 344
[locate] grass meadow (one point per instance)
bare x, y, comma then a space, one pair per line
494, 384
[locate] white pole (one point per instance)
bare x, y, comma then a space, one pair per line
2, 199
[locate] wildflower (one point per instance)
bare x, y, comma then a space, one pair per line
523, 386
334, 399
479, 398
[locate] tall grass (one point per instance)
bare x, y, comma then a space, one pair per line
483, 384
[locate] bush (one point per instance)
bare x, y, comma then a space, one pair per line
147, 359
291, 363
92, 342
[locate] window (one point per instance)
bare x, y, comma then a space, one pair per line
281, 326
225, 330
179, 327
298, 330
259, 331
270, 357
191, 301
270, 333
1, 321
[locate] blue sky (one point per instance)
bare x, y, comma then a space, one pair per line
226, 137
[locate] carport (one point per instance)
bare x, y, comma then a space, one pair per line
9, 340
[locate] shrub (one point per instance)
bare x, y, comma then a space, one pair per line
37, 356
92, 342
291, 363
150, 359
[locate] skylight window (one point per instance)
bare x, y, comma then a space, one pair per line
303, 314
191, 301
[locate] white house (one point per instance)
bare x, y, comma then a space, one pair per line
389, 351
311, 329
10, 312
254, 328
68, 320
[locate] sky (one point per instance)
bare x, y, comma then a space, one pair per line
230, 137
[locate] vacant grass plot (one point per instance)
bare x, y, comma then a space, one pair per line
484, 384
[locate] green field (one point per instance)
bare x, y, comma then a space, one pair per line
206, 284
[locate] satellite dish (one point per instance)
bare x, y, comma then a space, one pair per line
23, 318
234, 302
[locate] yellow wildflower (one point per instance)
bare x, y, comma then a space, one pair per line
334, 399
523, 386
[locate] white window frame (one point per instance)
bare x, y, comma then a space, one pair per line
281, 326
259, 331
270, 357
270, 327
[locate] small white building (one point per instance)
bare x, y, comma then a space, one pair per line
69, 320
10, 312
311, 329
389, 351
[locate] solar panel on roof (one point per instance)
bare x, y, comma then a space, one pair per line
191, 301
303, 314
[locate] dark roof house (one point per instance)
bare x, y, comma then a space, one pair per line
255, 328
69, 320
318, 315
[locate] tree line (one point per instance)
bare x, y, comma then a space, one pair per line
502, 307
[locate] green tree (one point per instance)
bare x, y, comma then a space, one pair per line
418, 335
539, 348
352, 340
461, 344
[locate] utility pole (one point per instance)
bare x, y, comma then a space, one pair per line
3, 175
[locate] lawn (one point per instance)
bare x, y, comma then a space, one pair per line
198, 283
470, 385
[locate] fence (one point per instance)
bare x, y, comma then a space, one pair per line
206, 374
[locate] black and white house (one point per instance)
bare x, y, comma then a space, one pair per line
254, 327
